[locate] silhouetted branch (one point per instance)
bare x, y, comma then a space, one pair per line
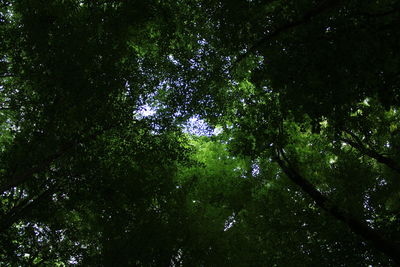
374, 237
357, 144
326, 5
381, 14
23, 208
20, 178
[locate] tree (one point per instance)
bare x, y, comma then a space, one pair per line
303, 70
305, 171
78, 158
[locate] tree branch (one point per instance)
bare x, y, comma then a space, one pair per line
357, 144
360, 228
64, 149
329, 4
23, 208
381, 14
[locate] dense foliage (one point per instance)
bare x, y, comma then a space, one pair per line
291, 158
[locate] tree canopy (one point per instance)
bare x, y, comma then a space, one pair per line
199, 133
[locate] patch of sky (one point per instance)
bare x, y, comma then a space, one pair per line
197, 126
194, 125
173, 60
255, 169
230, 222
146, 110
